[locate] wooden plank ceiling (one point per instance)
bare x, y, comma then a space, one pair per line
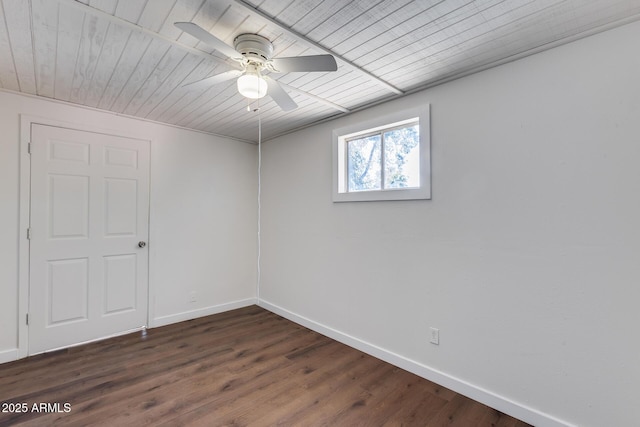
126, 56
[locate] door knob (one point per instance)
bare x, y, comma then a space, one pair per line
142, 244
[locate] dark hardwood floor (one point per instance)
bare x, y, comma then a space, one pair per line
243, 367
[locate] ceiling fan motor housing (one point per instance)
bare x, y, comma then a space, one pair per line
254, 47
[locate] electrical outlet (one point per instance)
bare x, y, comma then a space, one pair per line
435, 336
192, 297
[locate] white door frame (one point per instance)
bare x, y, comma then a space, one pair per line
26, 121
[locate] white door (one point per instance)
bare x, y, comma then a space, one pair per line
89, 227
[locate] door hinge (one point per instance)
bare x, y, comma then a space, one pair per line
29, 147
27, 318
28, 233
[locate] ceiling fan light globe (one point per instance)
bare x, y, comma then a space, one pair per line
252, 86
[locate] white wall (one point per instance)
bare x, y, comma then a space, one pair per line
527, 258
203, 225
202, 214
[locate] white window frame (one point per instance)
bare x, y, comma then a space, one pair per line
340, 173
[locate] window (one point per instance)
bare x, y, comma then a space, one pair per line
385, 159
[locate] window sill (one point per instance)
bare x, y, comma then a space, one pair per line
382, 195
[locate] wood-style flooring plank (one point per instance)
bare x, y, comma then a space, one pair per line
246, 367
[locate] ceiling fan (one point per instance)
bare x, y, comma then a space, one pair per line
254, 53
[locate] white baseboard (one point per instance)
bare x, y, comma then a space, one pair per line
458, 385
8, 355
201, 312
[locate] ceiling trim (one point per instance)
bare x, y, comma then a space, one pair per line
551, 45
128, 116
515, 57
306, 40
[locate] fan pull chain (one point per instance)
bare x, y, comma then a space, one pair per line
258, 272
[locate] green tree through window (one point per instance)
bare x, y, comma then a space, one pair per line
389, 159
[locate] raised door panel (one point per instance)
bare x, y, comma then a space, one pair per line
68, 199
67, 151
121, 209
67, 291
120, 283
121, 157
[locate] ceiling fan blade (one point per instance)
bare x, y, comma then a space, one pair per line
214, 80
305, 63
208, 38
279, 95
